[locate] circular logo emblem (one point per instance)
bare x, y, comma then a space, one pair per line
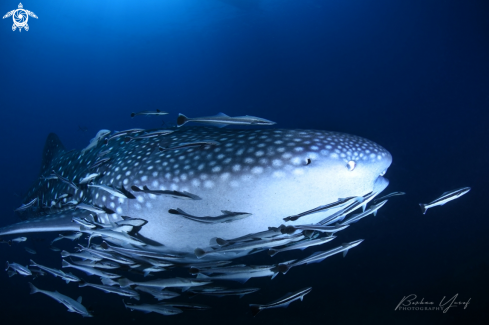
20, 18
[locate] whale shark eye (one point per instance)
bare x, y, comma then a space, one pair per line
308, 161
351, 165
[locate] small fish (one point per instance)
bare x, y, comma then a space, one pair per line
54, 248
22, 270
83, 255
19, 239
388, 196
88, 178
83, 222
107, 255
157, 308
257, 244
271, 232
70, 277
138, 252
157, 112
175, 194
157, 292
90, 270
118, 135
446, 197
183, 283
320, 256
108, 265
90, 208
227, 216
328, 229
197, 144
322, 208
30, 250
185, 306
111, 289
65, 180
149, 135
72, 305
222, 119
72, 237
282, 302
55, 272
99, 162
26, 206
302, 245
110, 190
224, 292
128, 221
372, 210
113, 234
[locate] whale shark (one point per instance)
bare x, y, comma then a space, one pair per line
267, 174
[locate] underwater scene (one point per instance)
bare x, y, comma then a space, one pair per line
244, 162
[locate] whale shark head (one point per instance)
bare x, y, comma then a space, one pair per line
268, 173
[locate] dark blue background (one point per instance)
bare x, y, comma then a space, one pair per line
411, 75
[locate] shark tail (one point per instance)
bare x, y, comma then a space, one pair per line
33, 288
255, 309
423, 208
181, 120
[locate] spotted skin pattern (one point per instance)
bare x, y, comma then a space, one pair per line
270, 173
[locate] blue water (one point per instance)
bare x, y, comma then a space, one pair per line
412, 76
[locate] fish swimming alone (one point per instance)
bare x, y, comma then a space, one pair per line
269, 173
444, 198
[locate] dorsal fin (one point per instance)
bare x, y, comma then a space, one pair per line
52, 148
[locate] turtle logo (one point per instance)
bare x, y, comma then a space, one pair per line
20, 17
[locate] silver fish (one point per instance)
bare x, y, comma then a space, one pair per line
111, 289
222, 119
110, 190
189, 145
301, 245
118, 135
328, 229
183, 283
282, 302
157, 112
83, 255
158, 293
90, 208
87, 179
28, 205
446, 197
227, 216
55, 272
30, 250
247, 246
225, 292
387, 196
22, 270
72, 237
90, 270
108, 265
72, 305
175, 194
65, 180
320, 256
322, 208
372, 210
157, 308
